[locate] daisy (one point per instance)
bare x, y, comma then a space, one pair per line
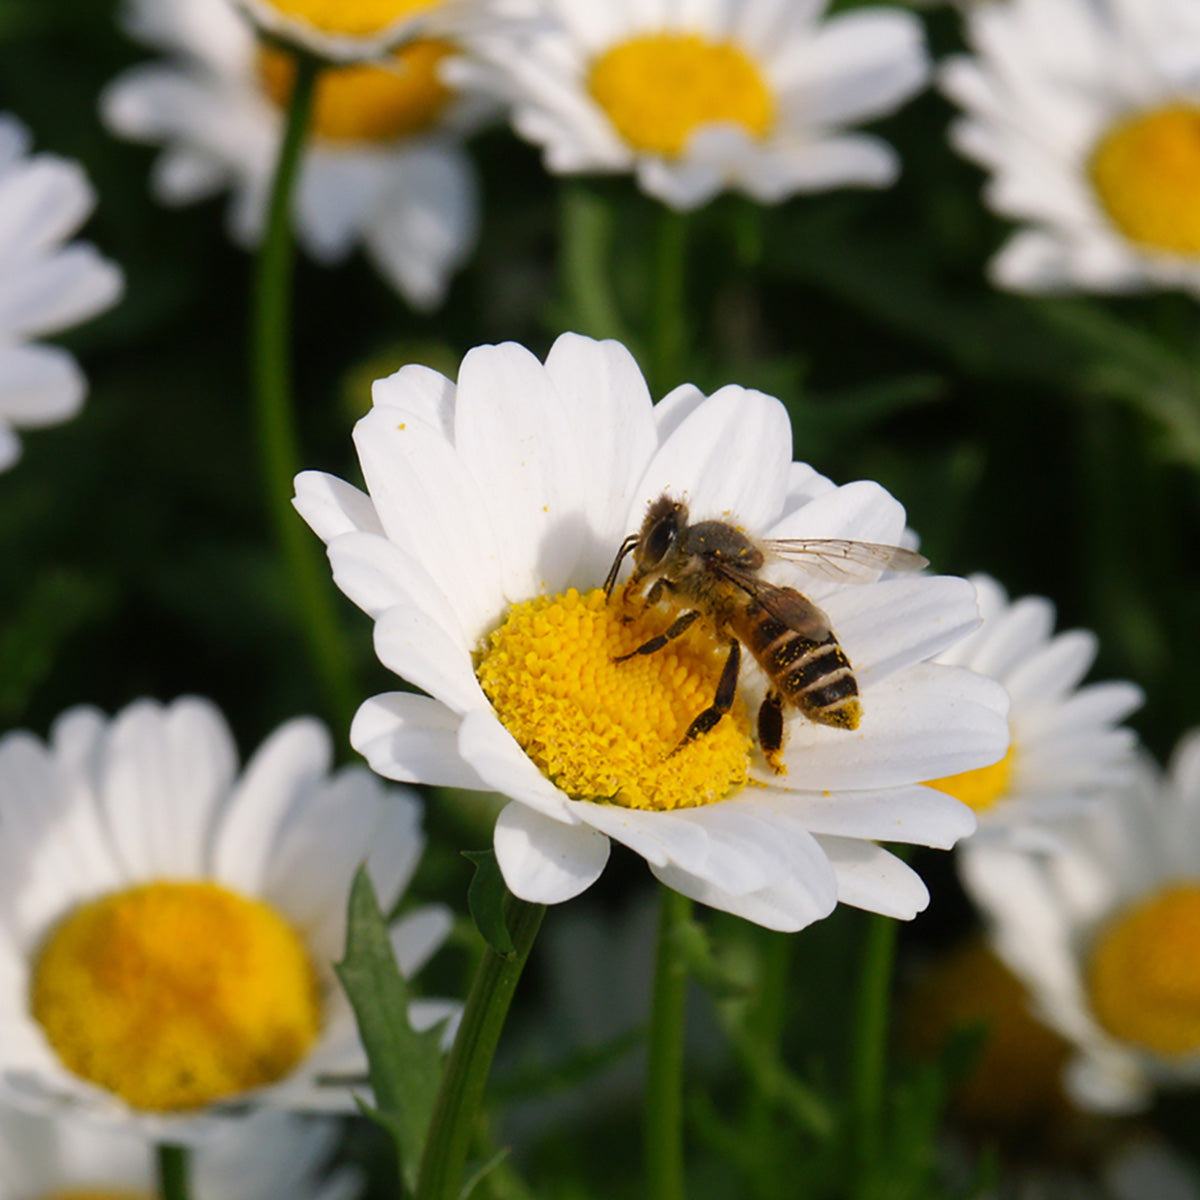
265, 1156
1103, 930
694, 98
354, 30
168, 926
1066, 745
45, 286
384, 169
492, 514
1086, 113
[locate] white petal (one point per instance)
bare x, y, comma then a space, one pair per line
54, 293
415, 643
333, 507
39, 385
412, 739
293, 759
40, 206
544, 861
871, 878
417, 936
1110, 1084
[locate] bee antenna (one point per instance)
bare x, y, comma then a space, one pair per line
626, 547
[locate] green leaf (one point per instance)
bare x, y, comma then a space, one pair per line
485, 898
485, 1169
405, 1066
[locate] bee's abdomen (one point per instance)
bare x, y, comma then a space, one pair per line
814, 676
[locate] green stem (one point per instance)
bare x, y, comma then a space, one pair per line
870, 1047
173, 1172
279, 443
664, 1080
669, 326
453, 1126
767, 1021
585, 255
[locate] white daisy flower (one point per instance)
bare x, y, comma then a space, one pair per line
1103, 931
384, 168
711, 94
1066, 746
493, 512
355, 30
264, 1156
168, 926
45, 286
1087, 115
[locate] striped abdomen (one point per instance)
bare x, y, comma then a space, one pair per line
802, 659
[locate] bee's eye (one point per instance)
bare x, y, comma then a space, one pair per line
657, 542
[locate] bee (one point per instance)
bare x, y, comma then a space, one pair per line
713, 569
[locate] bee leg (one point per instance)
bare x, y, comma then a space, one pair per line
722, 701
770, 730
678, 626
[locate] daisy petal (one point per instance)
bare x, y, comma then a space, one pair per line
544, 861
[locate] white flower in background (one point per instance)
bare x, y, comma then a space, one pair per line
1104, 930
352, 30
1086, 114
694, 98
45, 286
384, 168
264, 1156
1066, 746
495, 508
168, 926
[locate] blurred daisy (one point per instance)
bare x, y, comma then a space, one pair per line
45, 286
493, 512
265, 1156
1087, 115
168, 927
350, 30
1066, 747
384, 168
748, 94
1104, 932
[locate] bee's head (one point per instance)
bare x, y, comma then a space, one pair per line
665, 520
653, 543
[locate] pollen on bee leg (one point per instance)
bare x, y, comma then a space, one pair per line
605, 730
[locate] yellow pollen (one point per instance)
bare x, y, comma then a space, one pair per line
352, 18
368, 102
1144, 976
174, 995
605, 730
660, 88
979, 789
1146, 172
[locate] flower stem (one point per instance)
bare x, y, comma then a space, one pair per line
272, 377
455, 1113
870, 1047
669, 326
173, 1172
664, 1082
586, 230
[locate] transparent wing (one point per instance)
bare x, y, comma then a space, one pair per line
845, 561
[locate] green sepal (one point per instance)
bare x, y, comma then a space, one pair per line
485, 899
405, 1066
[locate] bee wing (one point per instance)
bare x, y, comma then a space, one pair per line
783, 603
845, 561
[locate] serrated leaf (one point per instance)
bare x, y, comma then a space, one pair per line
485, 899
405, 1066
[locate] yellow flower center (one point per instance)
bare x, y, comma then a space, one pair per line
660, 88
1144, 977
173, 995
367, 102
979, 789
1146, 172
610, 731
352, 18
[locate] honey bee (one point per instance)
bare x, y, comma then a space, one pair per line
712, 568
